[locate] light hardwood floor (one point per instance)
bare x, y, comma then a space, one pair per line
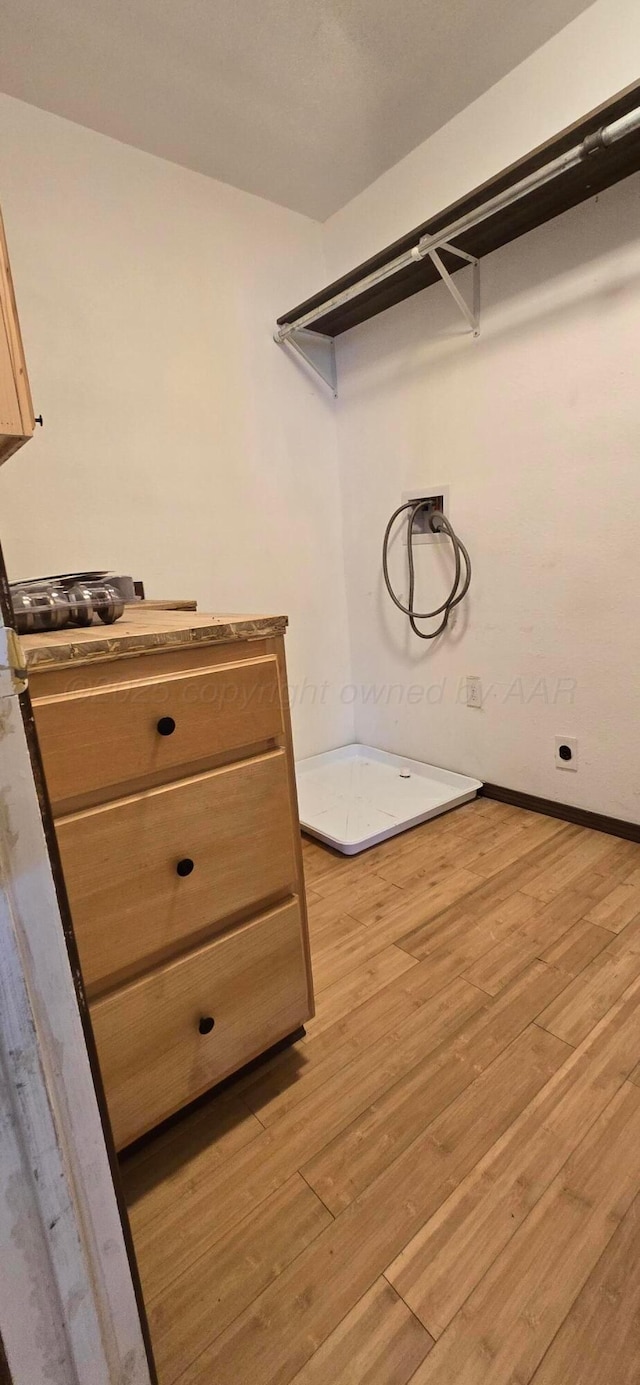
441, 1184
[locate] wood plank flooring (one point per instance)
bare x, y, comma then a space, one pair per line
441, 1184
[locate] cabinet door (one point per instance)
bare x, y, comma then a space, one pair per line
147, 874
16, 410
98, 740
166, 1038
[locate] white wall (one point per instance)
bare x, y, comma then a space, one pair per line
180, 444
577, 70
536, 428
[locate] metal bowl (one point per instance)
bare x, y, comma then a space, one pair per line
80, 604
106, 601
35, 610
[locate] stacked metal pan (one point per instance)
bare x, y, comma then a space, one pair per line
50, 603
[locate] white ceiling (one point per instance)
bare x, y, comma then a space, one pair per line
301, 101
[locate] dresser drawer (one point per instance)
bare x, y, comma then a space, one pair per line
147, 873
156, 1045
95, 740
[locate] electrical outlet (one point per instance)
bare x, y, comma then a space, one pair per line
474, 692
566, 752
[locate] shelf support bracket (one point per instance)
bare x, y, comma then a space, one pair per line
471, 314
316, 349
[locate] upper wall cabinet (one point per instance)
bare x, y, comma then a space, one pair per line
16, 410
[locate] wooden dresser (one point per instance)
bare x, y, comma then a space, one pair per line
167, 751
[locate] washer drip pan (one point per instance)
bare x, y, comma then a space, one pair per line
356, 796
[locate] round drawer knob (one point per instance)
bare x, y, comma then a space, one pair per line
206, 1024
185, 866
166, 726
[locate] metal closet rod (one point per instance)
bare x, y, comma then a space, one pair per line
600, 139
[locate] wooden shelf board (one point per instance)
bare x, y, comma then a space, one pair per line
600, 171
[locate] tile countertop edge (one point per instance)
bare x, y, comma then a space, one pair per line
143, 632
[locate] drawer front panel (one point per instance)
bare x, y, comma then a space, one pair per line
97, 740
156, 1045
147, 873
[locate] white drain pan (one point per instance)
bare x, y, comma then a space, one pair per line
356, 796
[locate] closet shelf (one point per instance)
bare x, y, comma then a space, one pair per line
575, 164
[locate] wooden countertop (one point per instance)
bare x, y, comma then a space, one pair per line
143, 629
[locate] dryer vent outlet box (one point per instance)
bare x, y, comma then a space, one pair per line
437, 499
